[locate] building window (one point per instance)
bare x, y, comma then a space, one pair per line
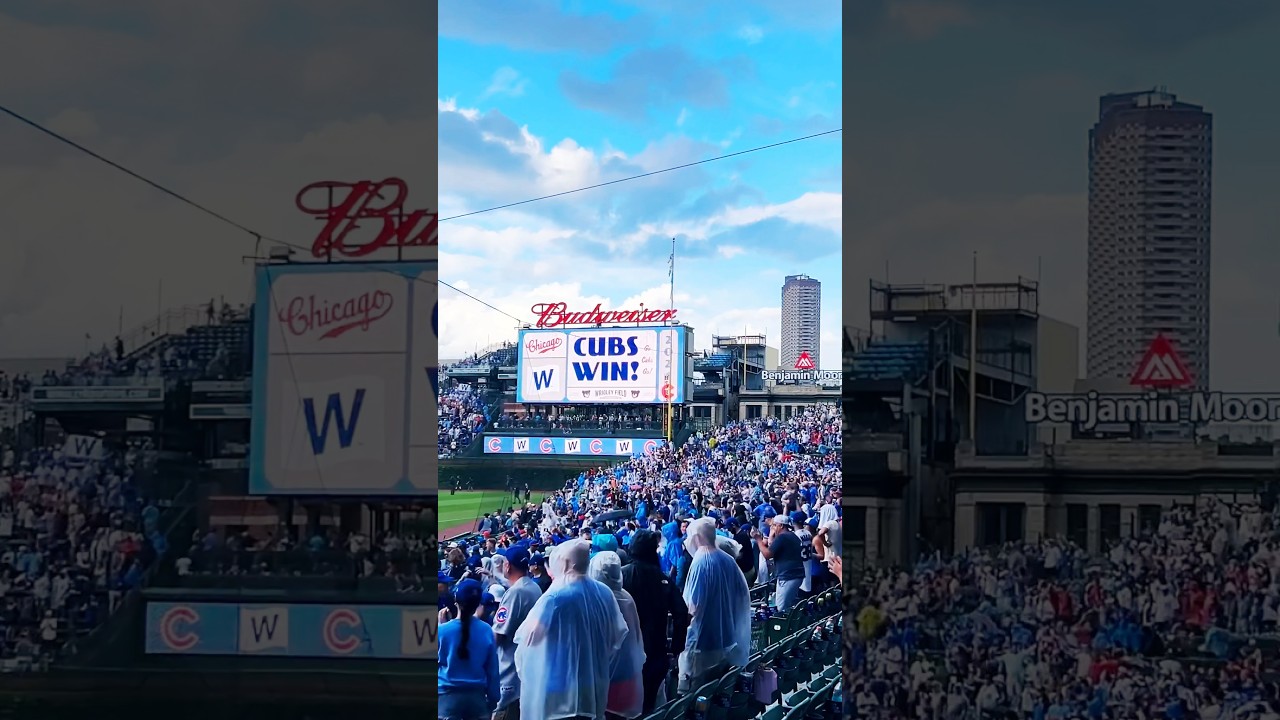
855, 537
753, 412
1149, 519
777, 411
1078, 524
999, 523
1109, 523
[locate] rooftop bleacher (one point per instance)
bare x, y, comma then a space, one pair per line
714, 362
882, 360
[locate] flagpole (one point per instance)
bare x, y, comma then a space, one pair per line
973, 355
671, 275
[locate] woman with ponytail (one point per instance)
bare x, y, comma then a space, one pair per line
468, 683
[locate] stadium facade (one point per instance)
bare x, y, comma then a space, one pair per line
910, 392
1049, 455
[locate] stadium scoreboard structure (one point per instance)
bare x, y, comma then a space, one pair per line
604, 366
344, 382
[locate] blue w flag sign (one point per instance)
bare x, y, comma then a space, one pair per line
333, 412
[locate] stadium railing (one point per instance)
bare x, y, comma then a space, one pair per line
806, 660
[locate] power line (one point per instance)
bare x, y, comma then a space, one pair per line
645, 175
260, 236
204, 209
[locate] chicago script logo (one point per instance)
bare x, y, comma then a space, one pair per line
543, 346
307, 314
343, 205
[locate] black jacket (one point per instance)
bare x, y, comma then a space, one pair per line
656, 598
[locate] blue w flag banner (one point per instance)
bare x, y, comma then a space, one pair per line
333, 412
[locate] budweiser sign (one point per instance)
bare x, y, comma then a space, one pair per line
380, 205
543, 346
306, 315
552, 315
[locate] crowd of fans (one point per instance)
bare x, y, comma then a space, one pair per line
502, 357
107, 366
563, 608
1175, 623
602, 419
462, 418
14, 388
74, 536
394, 556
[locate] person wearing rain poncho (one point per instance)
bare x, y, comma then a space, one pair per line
720, 604
566, 647
626, 691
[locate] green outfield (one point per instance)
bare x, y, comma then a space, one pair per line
458, 512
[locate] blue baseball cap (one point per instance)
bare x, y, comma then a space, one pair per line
517, 557
468, 591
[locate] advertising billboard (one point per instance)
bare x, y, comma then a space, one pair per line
389, 632
498, 445
344, 381
603, 365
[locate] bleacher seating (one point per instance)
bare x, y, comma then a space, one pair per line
196, 349
803, 649
891, 361
714, 362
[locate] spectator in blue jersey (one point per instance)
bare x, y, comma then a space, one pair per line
468, 673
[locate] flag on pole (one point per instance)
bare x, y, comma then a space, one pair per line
671, 265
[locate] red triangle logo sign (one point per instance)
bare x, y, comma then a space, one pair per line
804, 362
1161, 367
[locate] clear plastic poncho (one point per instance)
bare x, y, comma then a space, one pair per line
626, 691
566, 647
719, 603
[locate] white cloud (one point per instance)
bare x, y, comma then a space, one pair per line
824, 209
731, 138
506, 81
581, 251
752, 34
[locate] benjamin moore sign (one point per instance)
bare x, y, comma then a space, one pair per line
820, 376
1092, 409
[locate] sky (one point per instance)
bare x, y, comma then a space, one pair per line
538, 97
313, 90
971, 133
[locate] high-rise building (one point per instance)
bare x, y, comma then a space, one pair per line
1150, 183
801, 320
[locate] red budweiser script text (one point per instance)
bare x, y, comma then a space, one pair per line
307, 314
343, 205
543, 346
557, 314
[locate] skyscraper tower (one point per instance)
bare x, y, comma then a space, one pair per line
801, 320
1150, 187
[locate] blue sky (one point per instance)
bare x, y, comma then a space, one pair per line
542, 97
